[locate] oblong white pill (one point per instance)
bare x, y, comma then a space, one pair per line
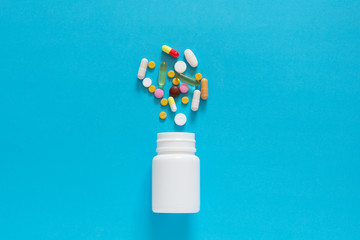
180, 119
142, 68
146, 82
180, 66
191, 58
195, 100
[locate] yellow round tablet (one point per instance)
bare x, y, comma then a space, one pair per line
164, 101
151, 65
176, 81
152, 88
185, 100
198, 76
162, 115
171, 74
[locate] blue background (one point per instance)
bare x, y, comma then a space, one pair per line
278, 137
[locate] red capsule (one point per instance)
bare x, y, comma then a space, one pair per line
172, 52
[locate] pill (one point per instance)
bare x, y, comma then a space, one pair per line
191, 58
174, 91
172, 104
204, 89
162, 74
170, 51
184, 88
195, 100
180, 66
162, 115
185, 100
187, 79
176, 81
180, 119
146, 82
198, 76
164, 101
159, 93
142, 68
171, 74
151, 65
152, 88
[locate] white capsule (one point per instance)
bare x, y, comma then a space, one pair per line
180, 66
180, 119
142, 68
146, 82
191, 58
195, 100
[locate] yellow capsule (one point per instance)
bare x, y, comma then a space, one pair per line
151, 65
164, 101
152, 88
185, 100
172, 104
176, 81
162, 115
198, 76
171, 74
166, 49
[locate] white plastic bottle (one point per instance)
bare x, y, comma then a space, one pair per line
176, 174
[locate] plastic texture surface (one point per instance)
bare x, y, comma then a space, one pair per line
278, 137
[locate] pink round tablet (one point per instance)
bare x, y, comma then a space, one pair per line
159, 93
184, 88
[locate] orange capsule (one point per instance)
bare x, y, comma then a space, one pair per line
204, 89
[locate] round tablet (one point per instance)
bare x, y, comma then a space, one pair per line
152, 88
184, 88
176, 81
180, 66
162, 115
180, 119
174, 91
164, 101
146, 82
185, 100
159, 93
171, 74
151, 65
198, 76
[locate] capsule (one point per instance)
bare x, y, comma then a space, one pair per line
191, 58
195, 100
142, 68
162, 74
170, 51
204, 89
187, 79
172, 104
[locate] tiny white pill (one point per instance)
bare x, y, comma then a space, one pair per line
191, 58
180, 119
180, 66
195, 100
146, 82
142, 68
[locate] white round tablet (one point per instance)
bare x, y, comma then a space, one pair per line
180, 66
146, 82
180, 119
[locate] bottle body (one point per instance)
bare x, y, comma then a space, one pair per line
175, 177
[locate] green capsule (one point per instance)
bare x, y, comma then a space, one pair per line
187, 79
162, 74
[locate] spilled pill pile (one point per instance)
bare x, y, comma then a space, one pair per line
180, 83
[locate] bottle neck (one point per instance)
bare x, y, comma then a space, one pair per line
176, 143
